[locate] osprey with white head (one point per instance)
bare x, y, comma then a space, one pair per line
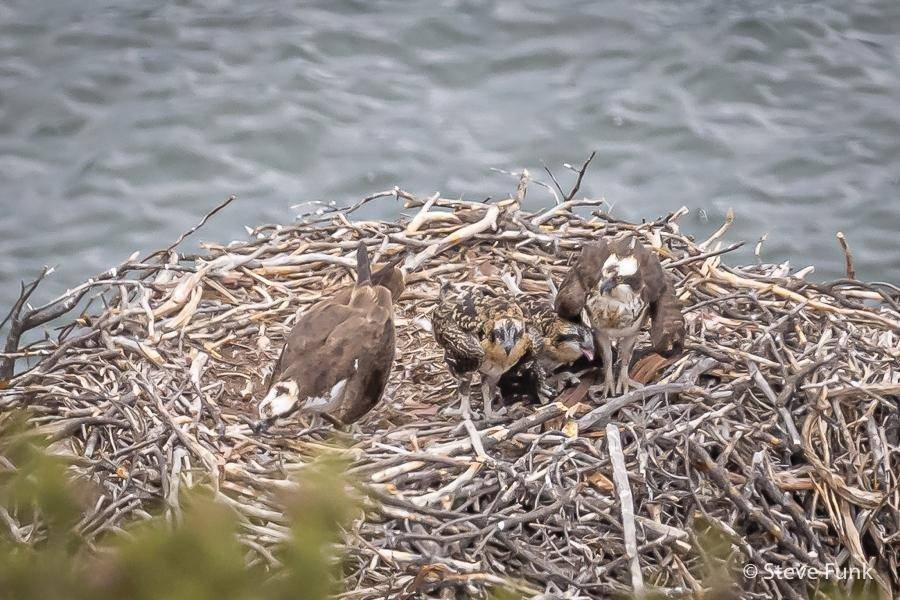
617, 285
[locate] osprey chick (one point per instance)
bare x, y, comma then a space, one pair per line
480, 332
337, 358
620, 284
559, 342
562, 341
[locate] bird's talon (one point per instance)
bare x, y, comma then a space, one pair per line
458, 412
547, 393
568, 380
608, 389
625, 385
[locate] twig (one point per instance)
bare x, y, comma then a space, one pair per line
581, 172
600, 416
184, 235
848, 256
626, 506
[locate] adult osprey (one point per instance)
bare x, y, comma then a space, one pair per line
482, 332
337, 358
619, 284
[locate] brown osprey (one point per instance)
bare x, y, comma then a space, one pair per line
337, 358
480, 332
619, 284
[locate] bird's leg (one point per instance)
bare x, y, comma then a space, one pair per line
464, 385
605, 345
546, 391
488, 388
465, 388
626, 349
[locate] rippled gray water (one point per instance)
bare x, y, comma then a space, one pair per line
121, 126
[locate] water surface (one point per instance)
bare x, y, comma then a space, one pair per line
121, 125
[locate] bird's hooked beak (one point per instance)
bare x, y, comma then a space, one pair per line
588, 352
506, 334
587, 346
609, 283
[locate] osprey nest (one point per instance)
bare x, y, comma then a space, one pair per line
775, 430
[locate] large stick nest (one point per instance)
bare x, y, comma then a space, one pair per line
775, 433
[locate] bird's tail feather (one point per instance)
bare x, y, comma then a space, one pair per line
363, 268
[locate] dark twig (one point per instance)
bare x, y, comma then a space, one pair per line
184, 235
848, 255
17, 325
581, 172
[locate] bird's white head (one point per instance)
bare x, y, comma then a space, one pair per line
616, 268
281, 401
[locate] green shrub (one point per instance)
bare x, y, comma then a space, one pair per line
199, 558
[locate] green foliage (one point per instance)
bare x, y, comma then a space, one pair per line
200, 558
316, 511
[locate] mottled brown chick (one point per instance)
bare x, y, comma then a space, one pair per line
482, 332
337, 358
562, 341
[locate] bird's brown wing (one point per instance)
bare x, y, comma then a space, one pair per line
666, 320
322, 316
375, 356
667, 323
583, 276
653, 278
333, 343
311, 330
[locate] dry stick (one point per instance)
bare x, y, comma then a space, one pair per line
778, 404
718, 476
562, 208
202, 222
792, 295
765, 482
704, 256
189, 441
562, 194
488, 221
601, 415
848, 256
626, 505
422, 216
718, 233
14, 528
581, 172
757, 250
476, 439
17, 326
489, 438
